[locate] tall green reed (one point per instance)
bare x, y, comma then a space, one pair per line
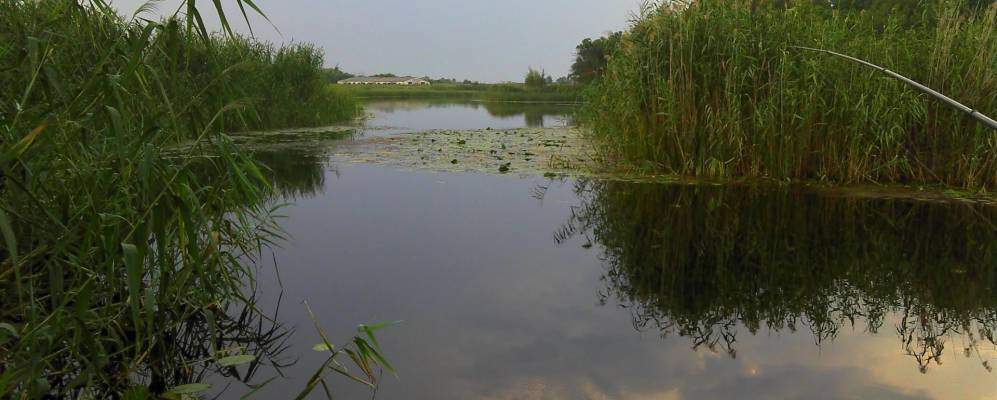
112, 242
712, 88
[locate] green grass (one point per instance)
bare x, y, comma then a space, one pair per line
124, 258
489, 92
713, 89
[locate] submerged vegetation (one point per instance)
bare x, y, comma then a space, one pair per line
122, 261
714, 89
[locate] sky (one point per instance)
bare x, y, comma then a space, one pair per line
483, 40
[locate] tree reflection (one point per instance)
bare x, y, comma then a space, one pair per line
294, 172
533, 113
704, 262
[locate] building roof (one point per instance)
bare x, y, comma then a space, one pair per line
377, 79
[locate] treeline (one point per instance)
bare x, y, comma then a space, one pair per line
121, 251
714, 88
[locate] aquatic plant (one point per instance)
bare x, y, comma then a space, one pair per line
715, 89
113, 245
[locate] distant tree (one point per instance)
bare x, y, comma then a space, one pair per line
333, 75
564, 80
592, 56
385, 76
535, 78
448, 81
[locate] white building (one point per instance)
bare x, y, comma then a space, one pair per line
374, 80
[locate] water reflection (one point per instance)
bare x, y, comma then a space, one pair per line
533, 113
187, 345
189, 351
466, 114
493, 310
706, 262
294, 172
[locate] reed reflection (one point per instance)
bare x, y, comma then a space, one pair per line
710, 262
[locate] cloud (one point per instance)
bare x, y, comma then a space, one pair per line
479, 40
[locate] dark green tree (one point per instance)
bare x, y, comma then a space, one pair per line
334, 75
592, 56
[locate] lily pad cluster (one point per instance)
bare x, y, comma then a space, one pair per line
526, 151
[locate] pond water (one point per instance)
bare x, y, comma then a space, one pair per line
513, 287
399, 116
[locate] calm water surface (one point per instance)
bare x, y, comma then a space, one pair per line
528, 288
398, 116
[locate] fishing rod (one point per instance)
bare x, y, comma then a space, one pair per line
957, 105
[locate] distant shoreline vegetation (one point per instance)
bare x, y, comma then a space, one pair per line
713, 89
478, 91
536, 87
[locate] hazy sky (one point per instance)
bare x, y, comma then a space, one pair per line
465, 39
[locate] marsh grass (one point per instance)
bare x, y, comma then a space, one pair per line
111, 250
713, 88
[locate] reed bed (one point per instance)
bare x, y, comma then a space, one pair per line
122, 258
714, 89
